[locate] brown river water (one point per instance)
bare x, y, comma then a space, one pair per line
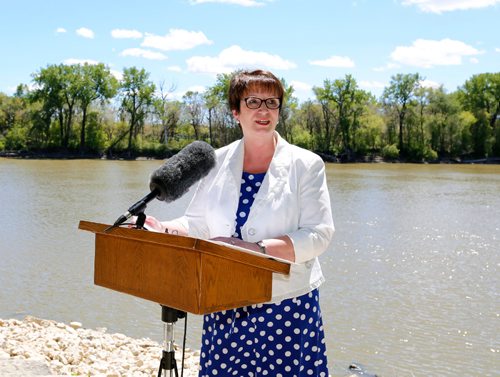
412, 275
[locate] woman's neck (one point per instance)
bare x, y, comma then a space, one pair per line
258, 154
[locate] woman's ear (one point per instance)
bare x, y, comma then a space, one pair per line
236, 115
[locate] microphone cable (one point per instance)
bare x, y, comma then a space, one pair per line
184, 344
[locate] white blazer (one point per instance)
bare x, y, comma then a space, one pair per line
293, 200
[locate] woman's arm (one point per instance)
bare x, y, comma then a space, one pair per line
280, 247
316, 227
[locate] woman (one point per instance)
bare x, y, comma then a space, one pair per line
266, 195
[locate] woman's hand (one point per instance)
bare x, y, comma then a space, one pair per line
151, 223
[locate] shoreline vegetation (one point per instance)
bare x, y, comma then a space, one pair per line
32, 345
326, 157
83, 111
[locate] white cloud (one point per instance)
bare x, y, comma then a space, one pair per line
117, 74
174, 68
180, 93
372, 84
440, 6
301, 90
71, 61
497, 49
429, 84
126, 34
474, 60
196, 88
61, 30
334, 62
243, 3
301, 86
85, 33
386, 67
176, 39
429, 53
235, 57
147, 54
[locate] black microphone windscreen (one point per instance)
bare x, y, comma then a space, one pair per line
174, 178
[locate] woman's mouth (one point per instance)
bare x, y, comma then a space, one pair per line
263, 122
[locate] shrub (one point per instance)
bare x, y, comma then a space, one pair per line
16, 138
391, 152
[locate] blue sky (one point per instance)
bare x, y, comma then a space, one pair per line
185, 43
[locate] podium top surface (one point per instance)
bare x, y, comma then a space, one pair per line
219, 249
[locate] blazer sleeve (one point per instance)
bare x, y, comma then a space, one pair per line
316, 226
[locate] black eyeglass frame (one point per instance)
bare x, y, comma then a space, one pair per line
263, 100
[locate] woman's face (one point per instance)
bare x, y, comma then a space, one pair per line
261, 119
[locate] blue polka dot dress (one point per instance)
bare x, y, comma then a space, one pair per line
250, 184
279, 339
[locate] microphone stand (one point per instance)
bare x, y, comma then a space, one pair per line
141, 219
169, 316
168, 364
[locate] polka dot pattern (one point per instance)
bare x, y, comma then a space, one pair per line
282, 339
250, 184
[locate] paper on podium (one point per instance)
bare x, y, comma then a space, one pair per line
248, 251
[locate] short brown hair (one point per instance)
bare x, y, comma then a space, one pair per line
242, 81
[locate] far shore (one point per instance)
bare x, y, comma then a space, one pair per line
326, 157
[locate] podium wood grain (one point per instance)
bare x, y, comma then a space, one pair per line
184, 273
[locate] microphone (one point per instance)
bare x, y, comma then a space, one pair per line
174, 178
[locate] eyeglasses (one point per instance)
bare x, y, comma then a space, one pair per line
255, 103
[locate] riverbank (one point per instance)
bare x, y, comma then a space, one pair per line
37, 346
326, 157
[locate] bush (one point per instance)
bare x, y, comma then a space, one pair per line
16, 138
430, 154
390, 152
303, 139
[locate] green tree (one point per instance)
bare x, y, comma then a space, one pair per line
325, 132
162, 107
398, 96
13, 110
71, 85
219, 117
194, 111
136, 92
49, 87
286, 110
481, 96
343, 105
370, 133
308, 124
216, 103
443, 121
95, 83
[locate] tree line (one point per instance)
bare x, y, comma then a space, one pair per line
83, 110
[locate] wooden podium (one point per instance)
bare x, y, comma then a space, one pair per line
183, 273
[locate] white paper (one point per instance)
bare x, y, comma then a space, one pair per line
248, 251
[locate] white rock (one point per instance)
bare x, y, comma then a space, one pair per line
75, 325
73, 350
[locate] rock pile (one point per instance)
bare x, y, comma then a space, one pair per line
74, 350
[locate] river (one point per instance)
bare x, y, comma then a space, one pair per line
412, 274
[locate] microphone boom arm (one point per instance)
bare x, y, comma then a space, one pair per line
137, 208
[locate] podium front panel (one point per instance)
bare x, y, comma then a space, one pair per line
180, 272
168, 277
226, 284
